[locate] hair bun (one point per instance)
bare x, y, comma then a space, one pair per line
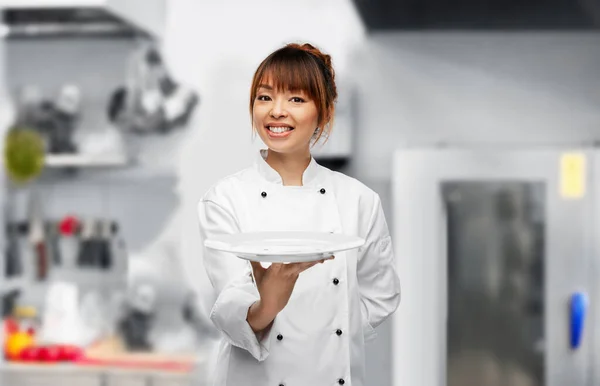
319, 54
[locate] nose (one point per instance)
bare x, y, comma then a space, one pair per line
278, 109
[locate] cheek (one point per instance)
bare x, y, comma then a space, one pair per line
257, 115
310, 120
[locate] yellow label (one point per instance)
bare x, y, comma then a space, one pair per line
572, 175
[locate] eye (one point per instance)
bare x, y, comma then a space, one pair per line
297, 100
263, 98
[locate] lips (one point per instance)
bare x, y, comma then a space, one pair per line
278, 130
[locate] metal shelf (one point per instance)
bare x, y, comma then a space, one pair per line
82, 160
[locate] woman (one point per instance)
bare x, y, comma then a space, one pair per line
296, 324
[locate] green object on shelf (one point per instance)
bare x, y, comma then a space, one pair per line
24, 154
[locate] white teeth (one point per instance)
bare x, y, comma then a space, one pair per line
279, 129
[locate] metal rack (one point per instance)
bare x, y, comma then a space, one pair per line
94, 18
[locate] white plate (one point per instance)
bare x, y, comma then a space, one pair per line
284, 246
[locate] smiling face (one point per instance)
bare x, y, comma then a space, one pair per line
285, 120
292, 98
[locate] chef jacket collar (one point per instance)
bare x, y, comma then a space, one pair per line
310, 176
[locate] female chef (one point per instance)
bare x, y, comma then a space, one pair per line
296, 324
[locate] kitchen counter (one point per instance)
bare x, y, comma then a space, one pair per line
75, 375
107, 365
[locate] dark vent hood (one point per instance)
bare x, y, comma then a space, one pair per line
500, 15
50, 18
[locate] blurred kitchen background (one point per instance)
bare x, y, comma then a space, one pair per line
476, 121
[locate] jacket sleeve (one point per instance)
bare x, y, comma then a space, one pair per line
378, 280
231, 278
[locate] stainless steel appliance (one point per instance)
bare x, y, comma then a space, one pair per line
498, 252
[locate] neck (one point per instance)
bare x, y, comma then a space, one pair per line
290, 167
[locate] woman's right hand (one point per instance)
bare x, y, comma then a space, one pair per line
275, 285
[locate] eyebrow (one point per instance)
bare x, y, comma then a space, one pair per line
265, 86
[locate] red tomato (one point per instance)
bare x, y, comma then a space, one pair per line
29, 354
70, 353
42, 353
51, 354
32, 353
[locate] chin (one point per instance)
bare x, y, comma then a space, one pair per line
279, 148
286, 146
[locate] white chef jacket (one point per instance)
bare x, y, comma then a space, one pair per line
319, 338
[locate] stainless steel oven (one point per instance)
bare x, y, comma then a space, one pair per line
498, 254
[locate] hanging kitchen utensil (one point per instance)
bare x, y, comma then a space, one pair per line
104, 240
100, 253
69, 243
178, 101
151, 101
37, 236
86, 247
118, 252
179, 106
145, 97
13, 262
97, 245
53, 243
